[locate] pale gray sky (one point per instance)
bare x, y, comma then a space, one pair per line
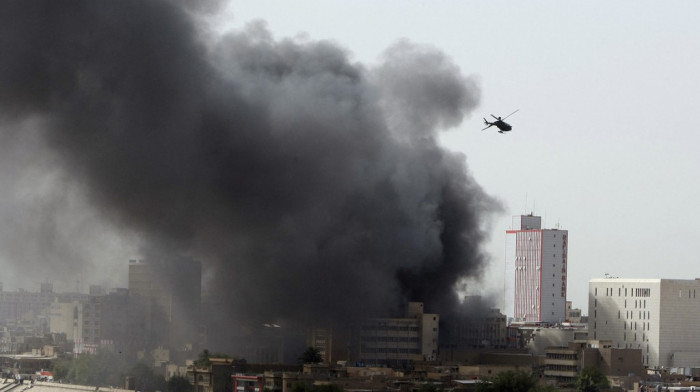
605, 142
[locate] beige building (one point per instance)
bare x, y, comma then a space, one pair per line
573, 315
565, 363
657, 316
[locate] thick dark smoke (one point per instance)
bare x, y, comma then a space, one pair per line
308, 185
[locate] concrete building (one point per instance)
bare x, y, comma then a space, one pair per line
564, 364
657, 316
14, 305
573, 315
216, 375
536, 263
399, 341
536, 339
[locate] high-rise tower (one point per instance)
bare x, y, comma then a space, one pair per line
536, 263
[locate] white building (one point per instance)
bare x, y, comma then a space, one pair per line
536, 263
658, 316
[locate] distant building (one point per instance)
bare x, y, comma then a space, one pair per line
397, 342
564, 364
321, 339
473, 325
216, 375
537, 338
536, 261
573, 315
14, 305
657, 316
173, 289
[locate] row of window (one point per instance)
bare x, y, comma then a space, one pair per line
624, 337
390, 328
390, 350
561, 356
388, 339
641, 314
562, 368
635, 292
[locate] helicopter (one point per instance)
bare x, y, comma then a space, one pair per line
499, 123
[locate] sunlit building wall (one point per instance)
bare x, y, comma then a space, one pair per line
536, 263
658, 316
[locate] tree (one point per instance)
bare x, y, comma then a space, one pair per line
591, 380
300, 386
104, 368
179, 384
145, 379
429, 387
203, 359
510, 381
545, 388
311, 355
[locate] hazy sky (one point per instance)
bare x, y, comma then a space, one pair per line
605, 142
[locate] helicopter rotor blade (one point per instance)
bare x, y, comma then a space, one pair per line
510, 114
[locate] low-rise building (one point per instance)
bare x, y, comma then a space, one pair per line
214, 375
563, 364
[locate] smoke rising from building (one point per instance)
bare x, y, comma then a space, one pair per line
307, 184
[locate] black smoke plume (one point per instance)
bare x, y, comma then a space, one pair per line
308, 185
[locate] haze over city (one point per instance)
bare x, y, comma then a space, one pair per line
118, 145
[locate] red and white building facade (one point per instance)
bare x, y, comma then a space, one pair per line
536, 264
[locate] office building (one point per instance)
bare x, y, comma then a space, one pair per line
658, 316
564, 363
536, 263
399, 341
